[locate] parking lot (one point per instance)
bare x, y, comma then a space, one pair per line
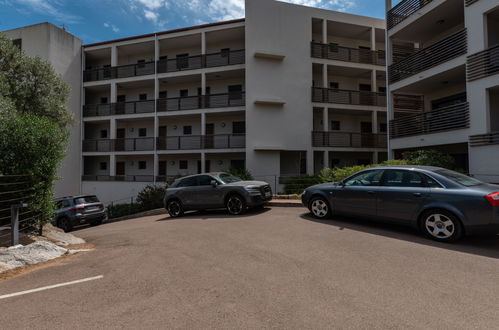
273, 268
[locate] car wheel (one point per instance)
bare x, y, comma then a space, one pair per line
65, 224
235, 205
441, 225
174, 208
320, 208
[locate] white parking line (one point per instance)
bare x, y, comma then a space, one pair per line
50, 287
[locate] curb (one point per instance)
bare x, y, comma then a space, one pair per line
285, 204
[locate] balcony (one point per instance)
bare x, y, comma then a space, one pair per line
192, 142
484, 139
483, 64
126, 178
445, 119
202, 61
403, 10
341, 96
121, 108
127, 144
339, 139
122, 71
340, 53
201, 101
426, 58
408, 103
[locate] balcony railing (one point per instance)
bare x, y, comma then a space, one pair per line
484, 139
341, 96
340, 53
128, 144
348, 140
127, 178
122, 71
445, 119
121, 108
232, 99
403, 10
483, 64
201, 61
408, 103
426, 58
192, 142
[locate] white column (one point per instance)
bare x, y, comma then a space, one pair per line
374, 83
326, 159
373, 38
325, 119
112, 128
203, 42
112, 165
156, 49
114, 56
203, 162
324, 76
324, 31
374, 120
114, 92
203, 83
203, 123
156, 167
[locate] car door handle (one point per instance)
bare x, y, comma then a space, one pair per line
417, 194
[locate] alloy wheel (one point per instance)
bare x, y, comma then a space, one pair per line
440, 226
174, 209
235, 205
319, 208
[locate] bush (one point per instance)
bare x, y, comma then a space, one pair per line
296, 184
429, 158
120, 210
242, 173
339, 173
151, 197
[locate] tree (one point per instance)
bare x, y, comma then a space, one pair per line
33, 123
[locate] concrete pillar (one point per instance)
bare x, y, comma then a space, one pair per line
324, 31
326, 159
203, 123
374, 83
388, 5
325, 80
375, 157
203, 83
374, 121
156, 167
114, 92
310, 161
114, 56
373, 38
325, 119
112, 128
203, 42
156, 49
203, 162
112, 165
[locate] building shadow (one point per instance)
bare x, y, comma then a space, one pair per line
216, 214
487, 245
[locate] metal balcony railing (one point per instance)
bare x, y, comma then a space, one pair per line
127, 178
484, 139
122, 71
426, 58
445, 119
128, 144
403, 10
121, 108
232, 99
192, 142
483, 64
408, 103
342, 96
340, 53
348, 139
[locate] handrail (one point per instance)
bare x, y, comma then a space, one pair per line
483, 64
347, 54
192, 142
341, 139
343, 96
404, 9
484, 139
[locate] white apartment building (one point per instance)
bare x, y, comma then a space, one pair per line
443, 80
285, 91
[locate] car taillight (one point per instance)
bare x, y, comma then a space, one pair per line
78, 209
493, 199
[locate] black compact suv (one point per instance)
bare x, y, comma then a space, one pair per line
214, 191
77, 210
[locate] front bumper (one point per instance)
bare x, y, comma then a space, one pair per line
258, 200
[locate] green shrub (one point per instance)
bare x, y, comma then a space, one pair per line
339, 173
151, 197
296, 184
429, 158
242, 173
120, 210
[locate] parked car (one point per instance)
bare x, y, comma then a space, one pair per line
214, 191
72, 211
443, 204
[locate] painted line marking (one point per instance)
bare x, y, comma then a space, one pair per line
50, 287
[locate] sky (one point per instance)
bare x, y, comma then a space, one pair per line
100, 20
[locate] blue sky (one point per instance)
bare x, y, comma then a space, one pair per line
99, 20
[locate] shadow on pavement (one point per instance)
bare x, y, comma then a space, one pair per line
487, 246
216, 214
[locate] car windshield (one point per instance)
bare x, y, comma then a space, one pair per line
228, 178
86, 199
459, 178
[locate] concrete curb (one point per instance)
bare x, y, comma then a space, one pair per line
137, 215
285, 204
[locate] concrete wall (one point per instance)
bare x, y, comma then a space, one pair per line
63, 51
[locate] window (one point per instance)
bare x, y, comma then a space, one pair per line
367, 178
204, 180
183, 93
229, 178
334, 85
335, 125
188, 182
403, 178
187, 130
182, 61
383, 128
142, 97
18, 43
103, 166
183, 164
459, 178
142, 165
431, 183
86, 199
103, 100
238, 127
142, 132
103, 134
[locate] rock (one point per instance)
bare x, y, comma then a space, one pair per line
59, 237
34, 253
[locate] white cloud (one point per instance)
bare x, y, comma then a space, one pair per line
112, 27
49, 7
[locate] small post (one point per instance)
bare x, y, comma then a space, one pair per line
14, 223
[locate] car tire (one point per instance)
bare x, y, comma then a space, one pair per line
320, 208
235, 204
174, 208
441, 225
65, 224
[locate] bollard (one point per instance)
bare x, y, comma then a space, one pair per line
14, 223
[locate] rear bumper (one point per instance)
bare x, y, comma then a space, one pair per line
87, 218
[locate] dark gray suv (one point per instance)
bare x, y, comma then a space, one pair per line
76, 210
214, 191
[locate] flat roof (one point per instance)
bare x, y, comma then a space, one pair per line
195, 27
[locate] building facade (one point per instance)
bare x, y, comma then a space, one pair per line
284, 92
443, 80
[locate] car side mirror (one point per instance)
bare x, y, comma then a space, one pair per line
214, 183
341, 184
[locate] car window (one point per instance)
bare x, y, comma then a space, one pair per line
188, 182
228, 178
432, 183
85, 199
368, 178
459, 178
403, 178
204, 180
